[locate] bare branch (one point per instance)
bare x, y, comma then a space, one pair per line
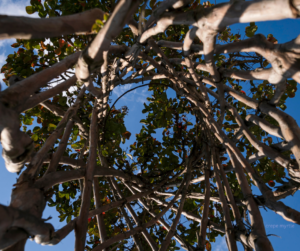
82, 221
92, 57
43, 96
21, 91
32, 28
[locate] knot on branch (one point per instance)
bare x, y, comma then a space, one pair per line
263, 100
295, 6
221, 80
221, 77
14, 161
186, 54
86, 66
294, 172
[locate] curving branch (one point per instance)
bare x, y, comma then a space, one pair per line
60, 234
64, 160
265, 125
33, 28
43, 96
92, 57
222, 15
57, 111
178, 46
164, 6
188, 41
17, 146
61, 148
21, 91
37, 161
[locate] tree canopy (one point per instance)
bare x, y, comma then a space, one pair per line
187, 177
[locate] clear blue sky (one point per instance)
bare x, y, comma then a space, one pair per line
284, 31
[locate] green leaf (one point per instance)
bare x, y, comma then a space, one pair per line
105, 153
27, 120
77, 43
36, 129
105, 17
35, 137
95, 28
143, 121
27, 45
283, 106
36, 46
250, 30
62, 217
42, 13
29, 10
51, 127
76, 131
70, 50
78, 145
99, 23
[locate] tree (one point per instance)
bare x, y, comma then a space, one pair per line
217, 140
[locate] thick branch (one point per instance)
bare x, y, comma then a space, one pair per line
43, 96
21, 91
92, 57
33, 28
82, 222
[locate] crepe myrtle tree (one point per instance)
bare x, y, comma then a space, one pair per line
217, 140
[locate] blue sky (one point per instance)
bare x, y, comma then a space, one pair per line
283, 30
